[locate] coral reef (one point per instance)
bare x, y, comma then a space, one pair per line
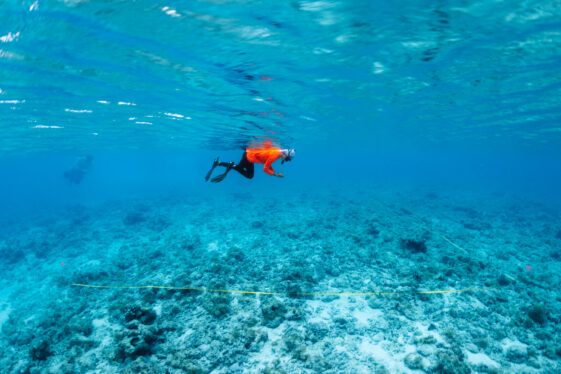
415, 246
339, 243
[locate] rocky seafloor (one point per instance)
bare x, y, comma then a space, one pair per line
337, 241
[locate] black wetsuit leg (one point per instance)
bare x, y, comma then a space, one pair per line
245, 167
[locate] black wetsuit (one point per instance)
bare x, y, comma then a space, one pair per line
244, 167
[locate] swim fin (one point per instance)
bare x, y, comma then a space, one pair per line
214, 164
220, 178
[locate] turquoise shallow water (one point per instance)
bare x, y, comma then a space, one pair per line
427, 139
119, 74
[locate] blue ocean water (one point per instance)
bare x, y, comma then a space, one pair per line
428, 148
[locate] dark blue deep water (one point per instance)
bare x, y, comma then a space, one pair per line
428, 158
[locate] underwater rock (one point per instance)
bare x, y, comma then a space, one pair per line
82, 342
16, 333
40, 351
42, 249
10, 255
415, 246
316, 363
274, 369
538, 314
299, 273
145, 316
66, 368
482, 343
477, 226
373, 230
294, 313
134, 343
134, 218
142, 366
504, 280
448, 363
217, 305
429, 339
425, 350
293, 339
235, 255
159, 223
517, 354
407, 309
251, 339
181, 360
317, 331
413, 361
273, 312
81, 325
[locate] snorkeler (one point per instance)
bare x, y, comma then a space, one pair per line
263, 153
81, 167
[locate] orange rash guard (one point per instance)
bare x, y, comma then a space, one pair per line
264, 156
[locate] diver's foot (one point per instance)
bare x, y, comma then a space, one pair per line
214, 164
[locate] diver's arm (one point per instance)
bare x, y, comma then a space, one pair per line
268, 168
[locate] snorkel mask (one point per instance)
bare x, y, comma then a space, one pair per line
288, 155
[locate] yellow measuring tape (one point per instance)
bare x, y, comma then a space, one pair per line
420, 221
279, 293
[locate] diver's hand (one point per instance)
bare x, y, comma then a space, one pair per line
280, 175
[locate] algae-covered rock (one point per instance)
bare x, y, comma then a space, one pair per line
257, 224
142, 366
517, 354
482, 343
273, 312
317, 331
293, 339
315, 362
217, 305
81, 325
538, 314
134, 218
146, 316
15, 332
300, 353
250, 339
11, 255
179, 360
414, 361
504, 280
131, 345
449, 363
274, 368
82, 342
414, 245
40, 350
429, 339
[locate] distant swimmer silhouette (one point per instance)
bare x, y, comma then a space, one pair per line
260, 153
81, 167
